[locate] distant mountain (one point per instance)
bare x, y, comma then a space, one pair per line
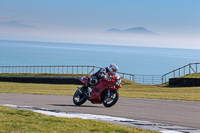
136, 30
15, 24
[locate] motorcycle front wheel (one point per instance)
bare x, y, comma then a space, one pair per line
79, 98
109, 101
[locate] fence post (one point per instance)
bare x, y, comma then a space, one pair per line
77, 69
72, 69
87, 69
196, 68
38, 69
174, 74
179, 73
189, 68
46, 69
184, 71
93, 69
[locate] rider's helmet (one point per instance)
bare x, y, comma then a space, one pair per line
113, 68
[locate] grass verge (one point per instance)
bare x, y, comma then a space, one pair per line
194, 75
13, 120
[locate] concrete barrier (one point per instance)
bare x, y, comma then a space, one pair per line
49, 80
184, 82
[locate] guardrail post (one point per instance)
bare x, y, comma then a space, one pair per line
184, 71
174, 74
196, 68
38, 68
72, 69
67, 69
189, 68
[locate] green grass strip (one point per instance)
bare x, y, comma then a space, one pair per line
18, 121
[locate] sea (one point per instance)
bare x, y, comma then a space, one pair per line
130, 59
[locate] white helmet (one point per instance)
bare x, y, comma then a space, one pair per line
113, 68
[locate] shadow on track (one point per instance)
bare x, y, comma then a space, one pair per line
74, 105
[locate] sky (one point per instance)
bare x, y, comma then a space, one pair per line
85, 21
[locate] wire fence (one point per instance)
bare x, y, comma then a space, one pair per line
182, 71
142, 79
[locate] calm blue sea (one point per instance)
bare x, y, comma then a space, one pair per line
135, 60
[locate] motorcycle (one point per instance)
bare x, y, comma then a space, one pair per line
105, 91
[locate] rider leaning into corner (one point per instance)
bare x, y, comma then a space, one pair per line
102, 73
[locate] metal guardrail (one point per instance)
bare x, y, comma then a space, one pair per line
182, 71
142, 79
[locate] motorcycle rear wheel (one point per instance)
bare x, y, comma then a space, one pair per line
79, 98
109, 101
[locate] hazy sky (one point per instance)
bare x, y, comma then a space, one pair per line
78, 20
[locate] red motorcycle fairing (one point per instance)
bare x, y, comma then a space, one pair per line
97, 94
84, 79
97, 90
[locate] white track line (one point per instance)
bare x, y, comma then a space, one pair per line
163, 128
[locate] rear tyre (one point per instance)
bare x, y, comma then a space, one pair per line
109, 101
79, 98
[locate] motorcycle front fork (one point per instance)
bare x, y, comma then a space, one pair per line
108, 93
88, 90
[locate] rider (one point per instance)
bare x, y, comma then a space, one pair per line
102, 73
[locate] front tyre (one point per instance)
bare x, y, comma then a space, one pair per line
109, 101
79, 98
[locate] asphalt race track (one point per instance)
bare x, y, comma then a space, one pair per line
175, 112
